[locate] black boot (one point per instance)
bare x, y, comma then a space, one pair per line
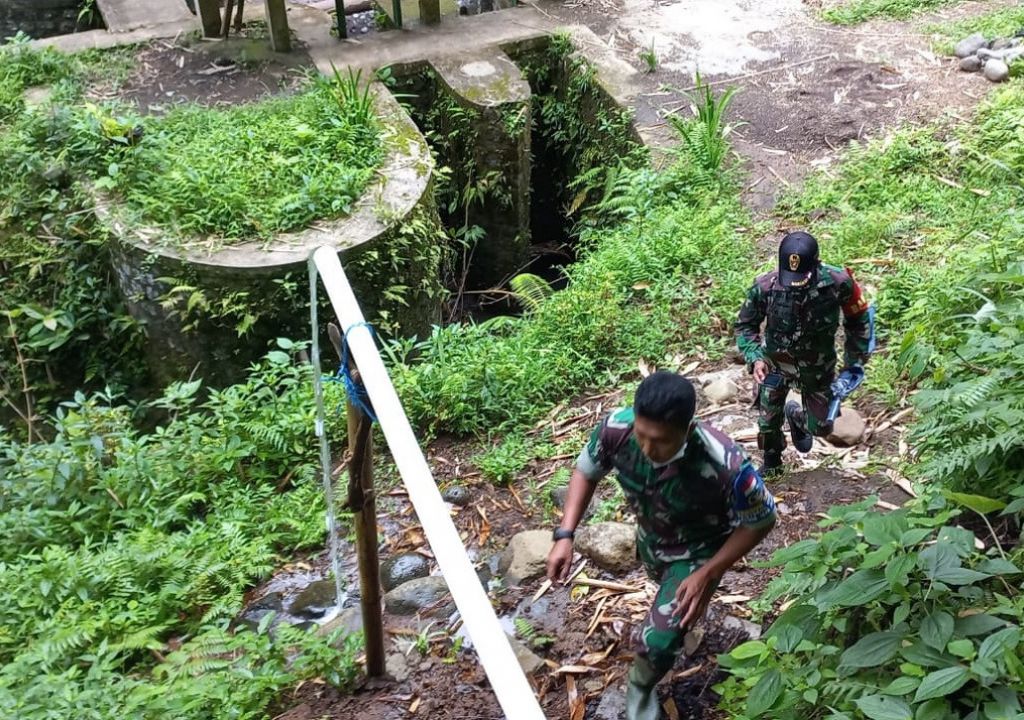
802, 439
772, 463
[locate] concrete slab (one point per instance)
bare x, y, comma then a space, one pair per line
101, 39
454, 36
126, 15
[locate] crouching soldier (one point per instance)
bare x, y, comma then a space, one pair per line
799, 305
700, 506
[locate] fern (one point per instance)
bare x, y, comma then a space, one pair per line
530, 290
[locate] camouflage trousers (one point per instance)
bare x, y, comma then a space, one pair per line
660, 638
771, 399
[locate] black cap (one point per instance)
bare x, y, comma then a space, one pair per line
798, 259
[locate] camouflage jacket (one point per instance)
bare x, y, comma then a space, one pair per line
687, 507
800, 325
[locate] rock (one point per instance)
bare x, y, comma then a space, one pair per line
349, 620
970, 45
996, 70
558, 495
848, 429
1001, 43
401, 569
692, 640
721, 391
254, 614
396, 667
457, 495
971, 63
528, 660
611, 545
736, 357
751, 630
525, 557
316, 599
427, 595
613, 703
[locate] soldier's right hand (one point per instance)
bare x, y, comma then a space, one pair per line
560, 560
760, 371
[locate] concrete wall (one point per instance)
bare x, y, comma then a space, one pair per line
43, 18
272, 280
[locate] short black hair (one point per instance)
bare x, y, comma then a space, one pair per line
666, 398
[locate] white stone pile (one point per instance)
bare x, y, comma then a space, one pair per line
992, 58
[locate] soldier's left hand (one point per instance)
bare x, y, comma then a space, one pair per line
692, 598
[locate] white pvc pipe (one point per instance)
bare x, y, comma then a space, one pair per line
510, 685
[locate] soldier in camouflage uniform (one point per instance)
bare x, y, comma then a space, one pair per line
799, 305
700, 506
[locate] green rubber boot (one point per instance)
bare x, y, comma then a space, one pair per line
641, 696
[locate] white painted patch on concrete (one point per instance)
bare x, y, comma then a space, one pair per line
479, 68
712, 36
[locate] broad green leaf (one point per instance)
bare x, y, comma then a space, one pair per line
883, 707
936, 709
962, 648
898, 569
789, 637
920, 654
872, 650
810, 695
277, 357
765, 693
995, 645
793, 552
978, 624
937, 629
1017, 506
748, 650
998, 566
961, 540
915, 536
941, 683
901, 613
959, 576
861, 587
878, 556
884, 528
938, 557
977, 503
901, 686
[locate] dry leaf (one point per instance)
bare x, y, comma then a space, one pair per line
733, 599
671, 710
644, 368
415, 706
573, 670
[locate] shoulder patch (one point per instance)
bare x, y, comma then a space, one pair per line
621, 418
767, 281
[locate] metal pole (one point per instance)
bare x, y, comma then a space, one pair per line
339, 9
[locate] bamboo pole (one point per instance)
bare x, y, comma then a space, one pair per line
209, 14
225, 29
362, 501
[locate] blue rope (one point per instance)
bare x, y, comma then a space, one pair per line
356, 392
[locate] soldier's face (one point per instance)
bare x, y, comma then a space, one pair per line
659, 441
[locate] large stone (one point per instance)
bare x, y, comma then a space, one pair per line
528, 660
526, 556
397, 667
848, 429
457, 495
254, 613
970, 45
349, 621
721, 390
752, 631
401, 569
558, 495
315, 600
971, 63
610, 545
996, 70
693, 640
427, 595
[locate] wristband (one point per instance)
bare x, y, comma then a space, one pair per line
562, 534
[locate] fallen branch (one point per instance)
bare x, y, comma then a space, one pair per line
607, 585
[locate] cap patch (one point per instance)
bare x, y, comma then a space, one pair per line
794, 262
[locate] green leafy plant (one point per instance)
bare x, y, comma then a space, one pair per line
649, 58
504, 460
529, 634
853, 12
895, 615
706, 138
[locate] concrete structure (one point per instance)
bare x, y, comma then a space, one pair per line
144, 266
489, 86
42, 18
126, 15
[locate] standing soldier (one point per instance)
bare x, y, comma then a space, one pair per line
700, 506
800, 304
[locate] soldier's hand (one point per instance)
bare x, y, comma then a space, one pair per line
692, 598
560, 560
760, 371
